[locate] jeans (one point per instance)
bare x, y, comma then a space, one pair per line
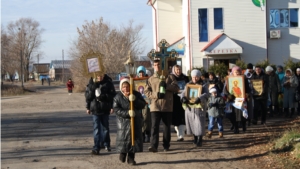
212, 122
166, 118
101, 131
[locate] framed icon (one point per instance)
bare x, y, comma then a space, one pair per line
192, 92
236, 86
140, 85
257, 86
92, 64
181, 84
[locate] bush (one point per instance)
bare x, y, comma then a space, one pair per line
11, 90
219, 69
291, 65
241, 64
263, 64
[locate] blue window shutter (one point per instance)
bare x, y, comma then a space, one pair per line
218, 18
203, 28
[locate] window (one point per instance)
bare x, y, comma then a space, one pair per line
203, 32
218, 18
284, 18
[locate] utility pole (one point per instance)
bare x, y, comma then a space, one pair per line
63, 71
37, 68
21, 56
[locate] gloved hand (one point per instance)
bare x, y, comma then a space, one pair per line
197, 101
131, 97
185, 100
131, 113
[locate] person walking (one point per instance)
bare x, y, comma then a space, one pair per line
70, 86
160, 91
290, 84
99, 100
248, 75
298, 89
121, 106
280, 74
195, 113
274, 89
178, 119
260, 101
215, 112
146, 126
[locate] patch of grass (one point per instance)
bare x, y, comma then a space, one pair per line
11, 90
296, 152
287, 141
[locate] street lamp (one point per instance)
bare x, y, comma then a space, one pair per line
131, 70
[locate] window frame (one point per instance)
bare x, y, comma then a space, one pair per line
289, 21
199, 23
222, 19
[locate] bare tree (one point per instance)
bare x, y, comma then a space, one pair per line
25, 39
114, 43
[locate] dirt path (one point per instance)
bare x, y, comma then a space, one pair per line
50, 129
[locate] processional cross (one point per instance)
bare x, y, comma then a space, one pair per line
163, 55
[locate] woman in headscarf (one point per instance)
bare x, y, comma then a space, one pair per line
236, 115
123, 113
195, 113
290, 84
178, 112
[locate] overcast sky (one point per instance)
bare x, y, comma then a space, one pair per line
60, 18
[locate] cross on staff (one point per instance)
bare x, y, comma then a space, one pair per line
163, 55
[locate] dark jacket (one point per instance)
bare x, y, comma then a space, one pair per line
178, 116
70, 85
274, 83
121, 106
103, 104
217, 84
298, 88
265, 79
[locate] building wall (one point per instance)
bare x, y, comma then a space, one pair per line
242, 21
287, 46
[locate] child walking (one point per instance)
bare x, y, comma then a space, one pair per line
70, 86
215, 112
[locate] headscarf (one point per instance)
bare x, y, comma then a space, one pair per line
269, 69
196, 73
236, 68
122, 81
139, 69
173, 71
288, 70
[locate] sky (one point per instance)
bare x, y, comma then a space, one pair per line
60, 19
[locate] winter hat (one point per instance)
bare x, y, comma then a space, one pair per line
196, 73
141, 68
173, 71
279, 66
249, 66
235, 68
298, 69
122, 81
269, 69
212, 90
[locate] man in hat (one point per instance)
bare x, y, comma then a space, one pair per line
160, 92
274, 89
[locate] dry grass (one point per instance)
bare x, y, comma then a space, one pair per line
11, 90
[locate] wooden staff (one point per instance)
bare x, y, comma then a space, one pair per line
132, 109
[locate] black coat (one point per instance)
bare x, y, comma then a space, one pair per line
102, 104
178, 116
265, 79
217, 84
121, 107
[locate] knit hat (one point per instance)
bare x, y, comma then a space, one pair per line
196, 73
122, 81
269, 69
235, 68
212, 90
249, 66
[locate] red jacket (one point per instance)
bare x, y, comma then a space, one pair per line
70, 85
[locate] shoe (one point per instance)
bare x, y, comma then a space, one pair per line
195, 139
199, 141
122, 157
209, 134
236, 131
166, 149
108, 149
94, 152
130, 159
152, 149
180, 139
220, 134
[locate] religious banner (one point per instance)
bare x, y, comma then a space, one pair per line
257, 86
92, 64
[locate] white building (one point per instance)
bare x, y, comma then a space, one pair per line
211, 31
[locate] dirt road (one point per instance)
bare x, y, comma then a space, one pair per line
49, 129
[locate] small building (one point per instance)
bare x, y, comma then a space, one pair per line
60, 70
40, 70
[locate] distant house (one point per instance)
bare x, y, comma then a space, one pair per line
41, 70
60, 70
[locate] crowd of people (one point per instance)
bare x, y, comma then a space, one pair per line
162, 100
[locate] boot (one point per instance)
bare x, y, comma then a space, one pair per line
286, 112
195, 139
209, 134
143, 137
220, 134
130, 159
199, 141
122, 157
292, 112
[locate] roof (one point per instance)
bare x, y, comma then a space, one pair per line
222, 45
146, 64
41, 67
58, 64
